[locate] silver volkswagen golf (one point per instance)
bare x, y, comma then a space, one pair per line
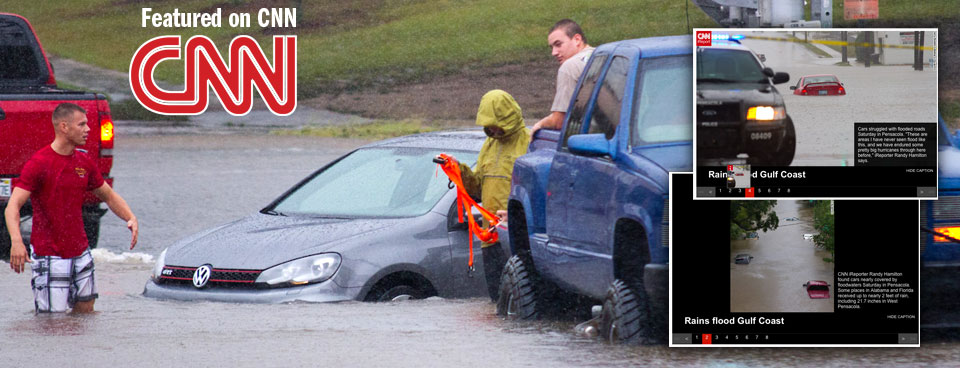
377, 224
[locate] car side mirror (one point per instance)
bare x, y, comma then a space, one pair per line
781, 77
763, 57
793, 87
589, 144
453, 221
768, 72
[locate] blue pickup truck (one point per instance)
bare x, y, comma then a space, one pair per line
588, 204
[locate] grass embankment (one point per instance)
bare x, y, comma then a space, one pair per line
349, 45
809, 46
379, 129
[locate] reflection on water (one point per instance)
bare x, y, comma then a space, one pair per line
54, 324
130, 330
783, 261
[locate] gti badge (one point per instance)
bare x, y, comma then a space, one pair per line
202, 275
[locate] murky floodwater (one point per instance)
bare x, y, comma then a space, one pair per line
178, 185
783, 261
824, 124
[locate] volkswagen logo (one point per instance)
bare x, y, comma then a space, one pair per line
202, 275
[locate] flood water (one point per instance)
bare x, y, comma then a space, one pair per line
825, 124
783, 261
160, 179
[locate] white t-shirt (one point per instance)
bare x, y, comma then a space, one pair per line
567, 77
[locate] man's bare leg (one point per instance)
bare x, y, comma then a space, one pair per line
83, 307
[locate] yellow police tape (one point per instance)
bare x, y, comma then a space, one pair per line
840, 43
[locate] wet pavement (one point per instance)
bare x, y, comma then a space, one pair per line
783, 261
824, 124
180, 184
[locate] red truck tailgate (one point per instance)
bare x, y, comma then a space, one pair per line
27, 126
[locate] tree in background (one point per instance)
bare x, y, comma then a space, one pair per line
751, 216
823, 222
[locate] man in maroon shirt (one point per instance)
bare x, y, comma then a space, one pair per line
55, 179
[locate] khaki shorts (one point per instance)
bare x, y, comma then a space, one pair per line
59, 283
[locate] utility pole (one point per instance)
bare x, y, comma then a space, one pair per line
917, 50
843, 49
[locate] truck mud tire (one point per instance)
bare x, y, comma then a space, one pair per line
518, 294
787, 149
91, 224
626, 315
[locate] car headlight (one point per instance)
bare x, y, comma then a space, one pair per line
301, 271
765, 113
161, 261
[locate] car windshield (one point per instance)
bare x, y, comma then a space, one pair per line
818, 288
374, 182
728, 66
820, 79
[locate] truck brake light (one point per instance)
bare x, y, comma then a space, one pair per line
106, 134
951, 231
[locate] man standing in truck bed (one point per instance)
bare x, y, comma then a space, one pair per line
56, 179
569, 46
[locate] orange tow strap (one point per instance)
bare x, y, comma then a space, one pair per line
465, 203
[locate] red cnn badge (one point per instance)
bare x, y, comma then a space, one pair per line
704, 38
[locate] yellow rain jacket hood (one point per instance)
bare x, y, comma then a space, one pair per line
490, 182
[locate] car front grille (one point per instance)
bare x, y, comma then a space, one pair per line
727, 111
227, 278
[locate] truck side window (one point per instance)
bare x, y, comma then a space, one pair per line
606, 115
575, 126
661, 111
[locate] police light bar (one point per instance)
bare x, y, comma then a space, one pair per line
725, 37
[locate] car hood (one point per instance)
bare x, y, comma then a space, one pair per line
749, 93
261, 241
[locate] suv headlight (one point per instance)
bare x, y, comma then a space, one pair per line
766, 113
158, 266
301, 271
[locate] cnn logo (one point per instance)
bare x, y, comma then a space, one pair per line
233, 83
704, 38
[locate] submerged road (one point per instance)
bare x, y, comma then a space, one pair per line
181, 184
825, 124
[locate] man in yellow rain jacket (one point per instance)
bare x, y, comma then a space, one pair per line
507, 139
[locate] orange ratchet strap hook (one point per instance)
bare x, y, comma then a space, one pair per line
465, 203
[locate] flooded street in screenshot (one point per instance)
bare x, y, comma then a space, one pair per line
783, 261
825, 124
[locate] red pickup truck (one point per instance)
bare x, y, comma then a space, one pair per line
28, 95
